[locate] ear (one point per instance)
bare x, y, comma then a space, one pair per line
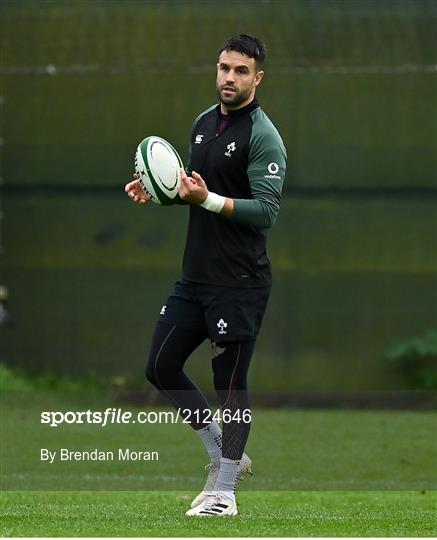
218, 67
258, 78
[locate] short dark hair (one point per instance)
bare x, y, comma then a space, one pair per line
249, 45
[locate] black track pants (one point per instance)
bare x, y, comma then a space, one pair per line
171, 346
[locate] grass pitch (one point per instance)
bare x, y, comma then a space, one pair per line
316, 473
261, 514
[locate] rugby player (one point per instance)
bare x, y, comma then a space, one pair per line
233, 184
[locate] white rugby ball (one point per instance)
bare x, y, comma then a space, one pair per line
158, 167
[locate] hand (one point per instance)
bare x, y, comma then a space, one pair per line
136, 192
192, 189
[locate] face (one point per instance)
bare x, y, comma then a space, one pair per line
237, 79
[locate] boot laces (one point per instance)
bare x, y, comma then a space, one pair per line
212, 501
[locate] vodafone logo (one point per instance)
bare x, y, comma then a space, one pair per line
273, 168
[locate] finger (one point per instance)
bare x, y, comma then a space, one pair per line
132, 185
186, 181
186, 178
182, 190
196, 177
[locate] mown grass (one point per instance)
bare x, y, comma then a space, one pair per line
261, 514
316, 473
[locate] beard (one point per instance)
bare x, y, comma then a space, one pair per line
236, 99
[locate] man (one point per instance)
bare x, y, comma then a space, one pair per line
233, 186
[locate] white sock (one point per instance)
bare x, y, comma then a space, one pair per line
227, 477
211, 437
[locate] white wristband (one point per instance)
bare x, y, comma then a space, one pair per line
214, 202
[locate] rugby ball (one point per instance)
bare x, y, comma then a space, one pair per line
158, 167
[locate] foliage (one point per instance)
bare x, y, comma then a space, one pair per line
416, 360
16, 380
10, 380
